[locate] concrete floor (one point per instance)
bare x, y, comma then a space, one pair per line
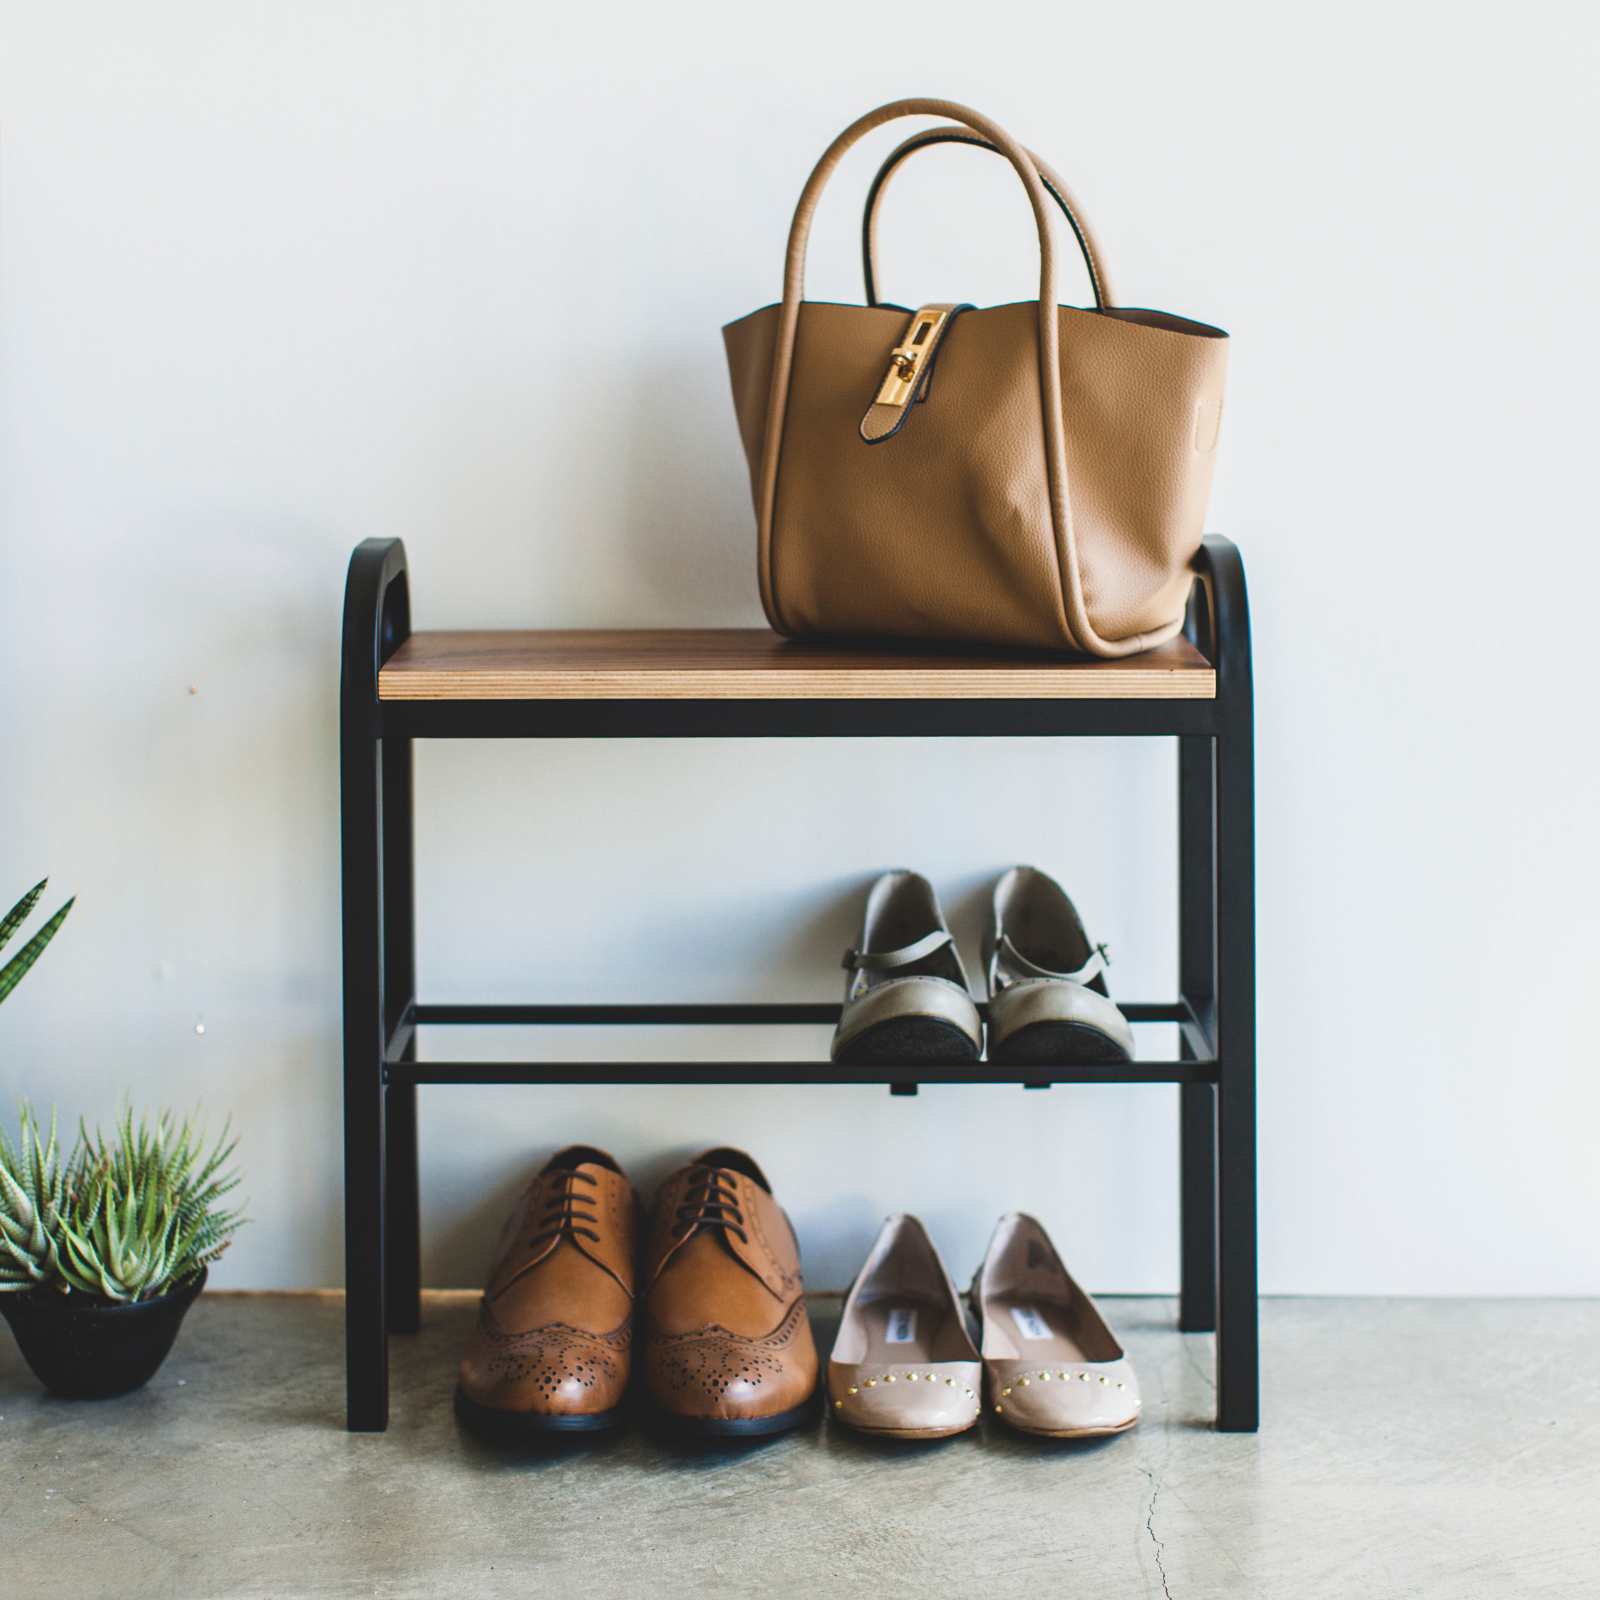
1411, 1448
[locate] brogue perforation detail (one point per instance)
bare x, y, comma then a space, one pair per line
712, 1360
555, 1355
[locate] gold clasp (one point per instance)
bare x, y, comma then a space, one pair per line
910, 355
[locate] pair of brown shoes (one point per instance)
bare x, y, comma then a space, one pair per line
721, 1304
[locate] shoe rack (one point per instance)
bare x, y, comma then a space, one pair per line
399, 686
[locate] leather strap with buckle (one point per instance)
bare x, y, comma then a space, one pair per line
885, 960
1097, 963
910, 363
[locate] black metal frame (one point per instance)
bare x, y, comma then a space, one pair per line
1215, 1009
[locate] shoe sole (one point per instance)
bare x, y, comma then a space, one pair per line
898, 1039
494, 1423
1075, 1433
738, 1427
1049, 1044
910, 1433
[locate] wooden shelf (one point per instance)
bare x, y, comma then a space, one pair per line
753, 664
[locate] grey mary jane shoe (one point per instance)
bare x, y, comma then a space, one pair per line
906, 998
1048, 1003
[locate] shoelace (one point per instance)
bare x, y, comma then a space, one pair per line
711, 1201
561, 1214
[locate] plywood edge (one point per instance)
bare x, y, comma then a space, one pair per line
834, 684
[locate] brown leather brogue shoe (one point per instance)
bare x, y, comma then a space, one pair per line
728, 1346
555, 1326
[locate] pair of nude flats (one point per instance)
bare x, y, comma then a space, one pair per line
904, 1365
907, 997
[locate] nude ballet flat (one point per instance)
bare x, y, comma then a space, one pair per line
1053, 1366
1048, 1003
903, 1366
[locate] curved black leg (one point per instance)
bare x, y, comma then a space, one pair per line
1197, 987
402, 1202
1234, 997
378, 970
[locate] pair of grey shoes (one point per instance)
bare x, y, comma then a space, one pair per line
907, 997
905, 1367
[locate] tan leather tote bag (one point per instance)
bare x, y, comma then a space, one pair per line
1030, 475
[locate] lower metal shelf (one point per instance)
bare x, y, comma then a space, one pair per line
781, 1012
401, 1067
910, 1073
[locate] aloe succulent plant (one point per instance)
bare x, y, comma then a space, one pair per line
142, 1213
13, 972
32, 1197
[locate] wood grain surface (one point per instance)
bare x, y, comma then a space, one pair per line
753, 664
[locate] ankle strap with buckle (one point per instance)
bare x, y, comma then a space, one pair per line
886, 960
1099, 960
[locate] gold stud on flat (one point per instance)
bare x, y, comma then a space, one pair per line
1023, 1382
1044, 1377
950, 1383
999, 1409
851, 1389
1105, 1380
911, 1377
838, 1405
1005, 1391
1122, 1386
890, 1378
872, 1383
1063, 1376
1084, 1376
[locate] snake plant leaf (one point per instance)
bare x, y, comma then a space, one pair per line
20, 912
19, 1259
44, 1158
88, 1215
16, 969
147, 1214
225, 1148
15, 1197
32, 1192
78, 1261
126, 1243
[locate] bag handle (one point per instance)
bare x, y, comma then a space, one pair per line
1074, 615
1054, 186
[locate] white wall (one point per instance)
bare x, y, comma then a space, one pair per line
274, 278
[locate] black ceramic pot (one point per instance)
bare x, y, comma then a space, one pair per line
86, 1349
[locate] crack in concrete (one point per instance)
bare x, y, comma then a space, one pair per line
1150, 1528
